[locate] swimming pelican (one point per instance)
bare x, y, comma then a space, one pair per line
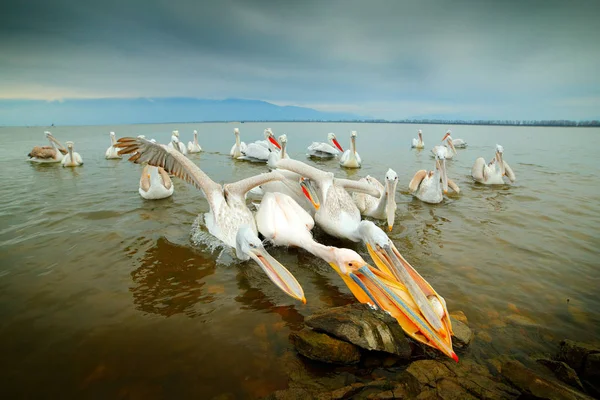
384, 207
176, 144
350, 158
418, 143
155, 183
48, 154
112, 151
72, 159
239, 147
283, 222
494, 172
229, 219
450, 146
428, 186
458, 143
259, 150
193, 146
325, 150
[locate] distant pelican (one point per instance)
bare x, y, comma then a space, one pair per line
176, 144
229, 219
72, 159
259, 150
325, 150
350, 158
48, 154
450, 147
494, 172
112, 151
194, 147
418, 143
458, 143
380, 208
238, 147
431, 186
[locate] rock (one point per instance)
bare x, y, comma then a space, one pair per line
366, 328
575, 353
321, 347
449, 380
591, 367
291, 394
563, 372
522, 320
532, 384
459, 316
463, 335
345, 392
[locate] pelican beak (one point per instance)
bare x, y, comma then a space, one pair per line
390, 207
501, 162
277, 273
337, 144
444, 175
452, 146
309, 192
274, 141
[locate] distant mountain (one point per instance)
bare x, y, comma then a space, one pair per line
155, 110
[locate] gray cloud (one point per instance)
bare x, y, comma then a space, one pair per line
533, 59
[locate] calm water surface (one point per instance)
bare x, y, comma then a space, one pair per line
104, 295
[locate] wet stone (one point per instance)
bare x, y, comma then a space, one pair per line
321, 347
575, 353
563, 372
360, 325
459, 316
591, 368
463, 335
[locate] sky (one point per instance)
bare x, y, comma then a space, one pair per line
387, 59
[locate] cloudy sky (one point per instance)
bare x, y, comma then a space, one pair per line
389, 59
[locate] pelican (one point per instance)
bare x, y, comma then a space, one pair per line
48, 154
418, 143
194, 147
239, 147
384, 207
176, 144
72, 159
283, 222
450, 147
428, 186
155, 183
112, 151
350, 158
325, 150
458, 143
259, 150
494, 172
229, 219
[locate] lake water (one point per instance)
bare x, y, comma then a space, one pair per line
103, 294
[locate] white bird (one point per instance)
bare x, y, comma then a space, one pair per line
350, 158
418, 143
494, 172
383, 207
259, 150
72, 159
450, 146
155, 183
176, 144
239, 147
193, 146
112, 152
325, 150
431, 186
48, 154
229, 219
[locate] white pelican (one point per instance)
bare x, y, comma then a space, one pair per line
458, 143
430, 186
239, 147
155, 183
494, 172
176, 144
350, 158
259, 150
385, 206
325, 150
229, 219
450, 147
418, 143
112, 151
48, 154
283, 222
193, 146
72, 159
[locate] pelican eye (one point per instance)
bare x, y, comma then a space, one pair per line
349, 264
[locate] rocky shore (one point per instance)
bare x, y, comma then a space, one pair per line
358, 337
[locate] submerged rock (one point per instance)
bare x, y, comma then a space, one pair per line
532, 384
563, 372
366, 328
322, 347
463, 335
575, 353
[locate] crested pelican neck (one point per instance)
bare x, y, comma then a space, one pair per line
70, 148
283, 145
195, 138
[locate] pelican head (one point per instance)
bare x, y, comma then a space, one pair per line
499, 158
283, 138
391, 180
271, 138
195, 133
236, 131
112, 134
248, 245
69, 144
309, 192
175, 133
353, 134
47, 134
331, 137
152, 140
141, 136
420, 135
448, 138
